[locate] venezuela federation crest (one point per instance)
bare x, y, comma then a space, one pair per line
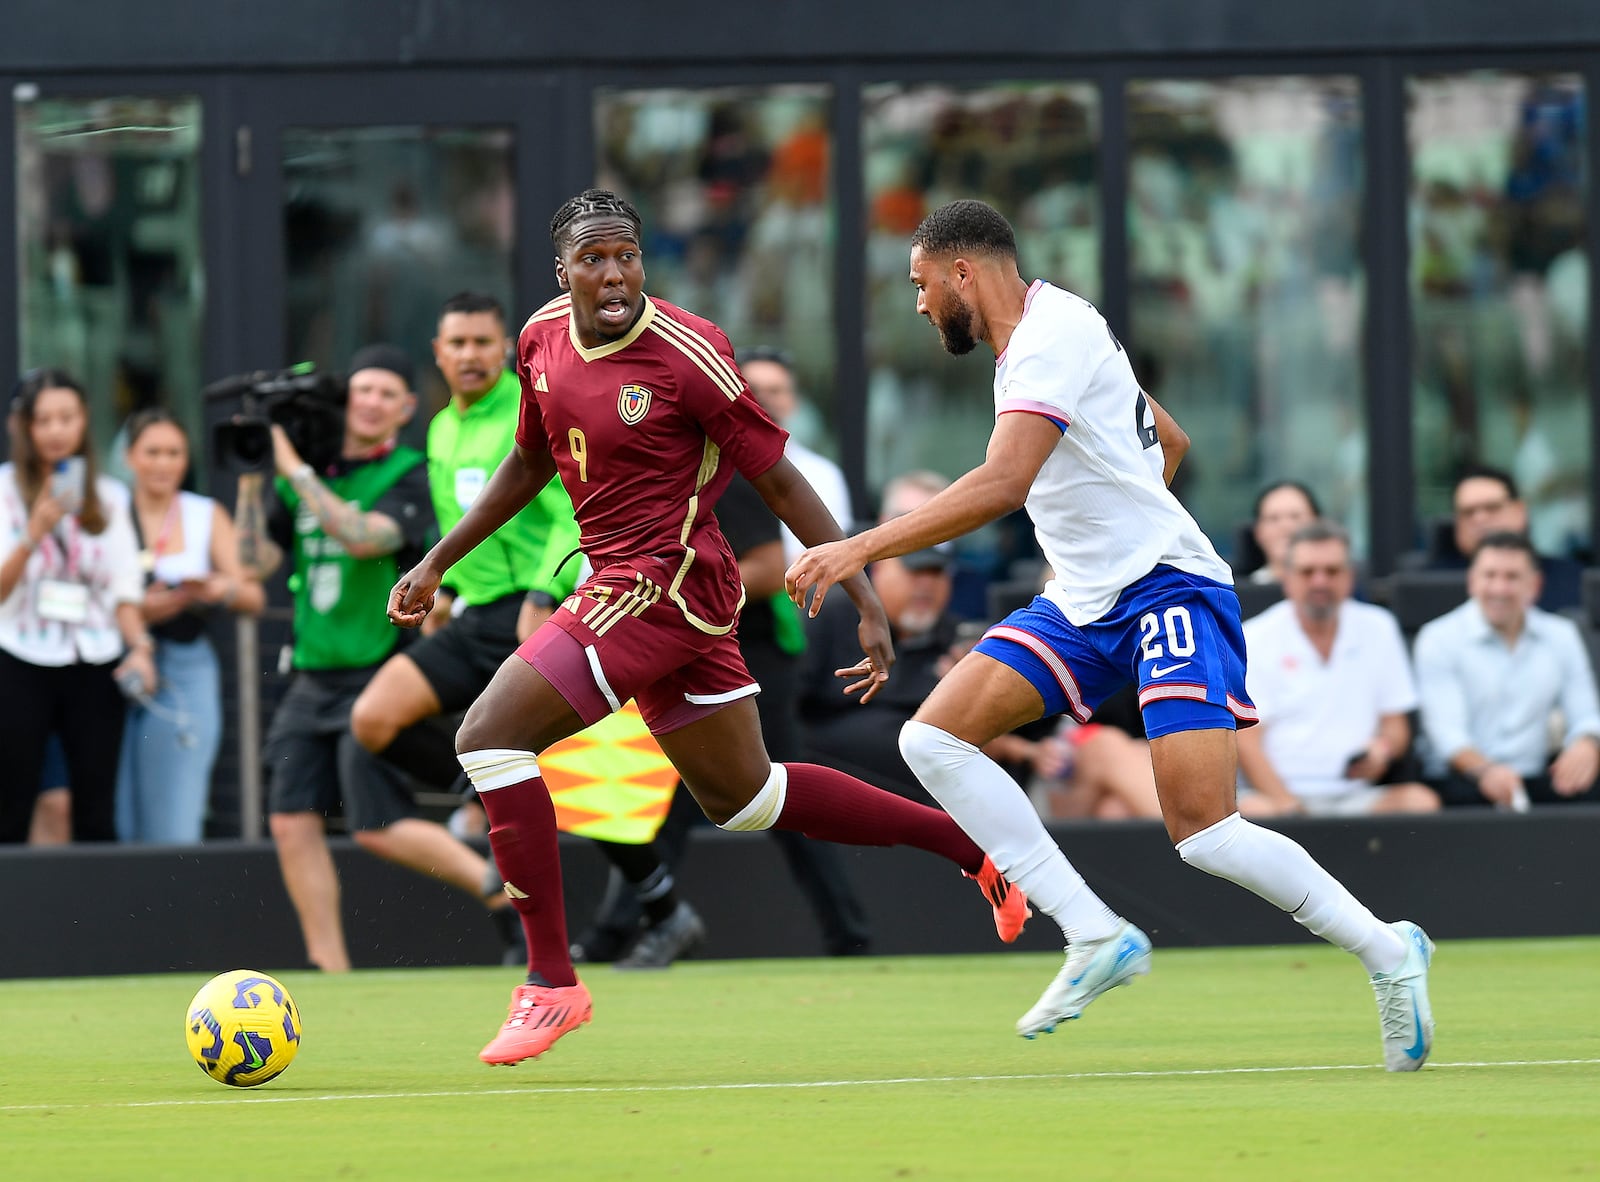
633, 403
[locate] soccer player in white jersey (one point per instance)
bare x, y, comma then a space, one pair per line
1139, 594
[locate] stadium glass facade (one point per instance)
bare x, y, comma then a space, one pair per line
1358, 273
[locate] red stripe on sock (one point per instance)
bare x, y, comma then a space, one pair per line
522, 833
827, 804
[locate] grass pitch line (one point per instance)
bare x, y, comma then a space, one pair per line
782, 1085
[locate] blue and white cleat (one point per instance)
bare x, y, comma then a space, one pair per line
1403, 1009
1093, 966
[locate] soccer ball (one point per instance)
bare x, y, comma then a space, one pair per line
243, 1028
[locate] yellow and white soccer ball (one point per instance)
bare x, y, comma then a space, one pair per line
243, 1028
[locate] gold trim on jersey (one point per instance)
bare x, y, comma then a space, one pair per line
606, 350
554, 310
708, 468
703, 353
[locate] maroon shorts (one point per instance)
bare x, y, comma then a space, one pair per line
620, 636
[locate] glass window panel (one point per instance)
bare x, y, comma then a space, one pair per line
381, 226
1031, 150
1499, 291
734, 185
109, 279
1247, 287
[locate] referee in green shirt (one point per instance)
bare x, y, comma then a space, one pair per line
527, 559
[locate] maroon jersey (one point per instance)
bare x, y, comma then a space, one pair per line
646, 431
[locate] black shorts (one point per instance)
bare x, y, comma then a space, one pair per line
462, 658
314, 763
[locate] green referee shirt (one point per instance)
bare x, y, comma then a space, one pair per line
464, 449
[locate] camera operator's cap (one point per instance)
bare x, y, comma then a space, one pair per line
387, 357
930, 559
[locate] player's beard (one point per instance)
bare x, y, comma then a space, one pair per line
954, 322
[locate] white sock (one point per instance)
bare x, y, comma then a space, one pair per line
997, 814
1281, 872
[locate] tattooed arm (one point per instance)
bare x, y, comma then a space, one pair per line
259, 555
364, 534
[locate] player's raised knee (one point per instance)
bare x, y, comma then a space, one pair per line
925, 747
762, 810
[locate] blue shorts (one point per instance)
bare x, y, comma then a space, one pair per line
1176, 634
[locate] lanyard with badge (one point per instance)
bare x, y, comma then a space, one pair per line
65, 599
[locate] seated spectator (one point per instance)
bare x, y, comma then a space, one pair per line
1486, 501
1330, 678
1094, 770
859, 737
1493, 672
1281, 508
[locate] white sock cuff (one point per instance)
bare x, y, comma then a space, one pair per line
765, 807
498, 767
1210, 839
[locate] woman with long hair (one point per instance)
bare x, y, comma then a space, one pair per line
189, 555
70, 624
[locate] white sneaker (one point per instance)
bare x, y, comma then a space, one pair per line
1092, 967
1403, 1010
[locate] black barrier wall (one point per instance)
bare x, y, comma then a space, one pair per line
95, 911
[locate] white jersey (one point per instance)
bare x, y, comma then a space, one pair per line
1101, 513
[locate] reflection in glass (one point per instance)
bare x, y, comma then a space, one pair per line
1031, 150
1246, 292
109, 281
381, 226
733, 186
1499, 291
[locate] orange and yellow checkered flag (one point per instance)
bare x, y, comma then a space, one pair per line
611, 781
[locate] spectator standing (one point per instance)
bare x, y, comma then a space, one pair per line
770, 375
515, 579
1333, 686
348, 529
189, 554
1493, 672
69, 610
772, 640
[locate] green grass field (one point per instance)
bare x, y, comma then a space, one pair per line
1234, 1063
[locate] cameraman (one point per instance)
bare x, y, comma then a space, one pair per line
508, 585
351, 528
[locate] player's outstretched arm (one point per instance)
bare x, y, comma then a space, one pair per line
1017, 450
518, 479
1174, 440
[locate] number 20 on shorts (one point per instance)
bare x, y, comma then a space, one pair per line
1179, 634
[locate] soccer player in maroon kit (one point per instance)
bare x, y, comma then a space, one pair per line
639, 407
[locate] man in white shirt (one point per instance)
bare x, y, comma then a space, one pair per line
771, 380
1139, 594
1493, 673
1332, 682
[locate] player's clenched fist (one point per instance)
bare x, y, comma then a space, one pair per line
412, 597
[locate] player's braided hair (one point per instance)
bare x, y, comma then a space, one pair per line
966, 227
587, 204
